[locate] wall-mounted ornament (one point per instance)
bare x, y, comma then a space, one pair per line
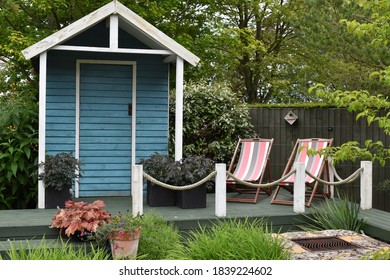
291, 118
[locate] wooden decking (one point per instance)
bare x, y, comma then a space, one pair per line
34, 223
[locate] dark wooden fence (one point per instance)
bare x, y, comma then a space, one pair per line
334, 123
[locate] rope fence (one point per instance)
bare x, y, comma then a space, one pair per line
364, 172
179, 188
347, 180
266, 185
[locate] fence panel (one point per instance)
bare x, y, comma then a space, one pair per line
335, 123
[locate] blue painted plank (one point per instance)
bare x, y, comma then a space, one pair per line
146, 148
62, 140
106, 133
105, 139
59, 147
106, 159
60, 113
54, 126
60, 133
104, 193
104, 173
105, 146
113, 153
51, 119
152, 127
62, 106
109, 186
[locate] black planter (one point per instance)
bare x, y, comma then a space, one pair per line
193, 198
157, 196
54, 198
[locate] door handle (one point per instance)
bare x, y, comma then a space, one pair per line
130, 109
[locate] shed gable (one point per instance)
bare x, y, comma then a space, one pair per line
99, 36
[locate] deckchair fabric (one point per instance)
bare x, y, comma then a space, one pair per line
250, 167
315, 164
312, 163
252, 161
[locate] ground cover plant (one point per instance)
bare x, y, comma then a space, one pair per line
334, 214
55, 250
232, 239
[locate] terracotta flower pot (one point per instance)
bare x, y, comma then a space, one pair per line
124, 244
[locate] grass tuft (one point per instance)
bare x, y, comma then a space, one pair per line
54, 250
334, 214
232, 239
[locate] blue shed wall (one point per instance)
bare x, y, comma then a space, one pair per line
152, 106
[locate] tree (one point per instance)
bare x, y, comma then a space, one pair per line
251, 45
372, 106
335, 56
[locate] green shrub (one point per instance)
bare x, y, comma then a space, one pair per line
213, 120
335, 214
18, 151
158, 238
232, 240
55, 250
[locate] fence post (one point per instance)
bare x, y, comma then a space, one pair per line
220, 190
331, 177
299, 187
137, 184
366, 185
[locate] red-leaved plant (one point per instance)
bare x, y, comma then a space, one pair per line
80, 216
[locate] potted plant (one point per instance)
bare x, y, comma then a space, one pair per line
185, 172
157, 166
123, 233
59, 172
81, 219
188, 171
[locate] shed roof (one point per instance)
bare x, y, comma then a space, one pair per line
128, 21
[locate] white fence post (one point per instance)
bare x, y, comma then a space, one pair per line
331, 177
366, 185
299, 188
137, 184
220, 190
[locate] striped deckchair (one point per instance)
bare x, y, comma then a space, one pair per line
250, 167
315, 164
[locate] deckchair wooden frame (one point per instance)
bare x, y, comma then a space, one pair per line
312, 185
256, 177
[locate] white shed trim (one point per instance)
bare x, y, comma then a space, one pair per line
126, 19
42, 125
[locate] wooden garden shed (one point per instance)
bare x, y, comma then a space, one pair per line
104, 95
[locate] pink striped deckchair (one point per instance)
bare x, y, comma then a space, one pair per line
250, 167
315, 164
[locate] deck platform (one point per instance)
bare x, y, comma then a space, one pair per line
34, 223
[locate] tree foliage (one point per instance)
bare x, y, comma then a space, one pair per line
372, 106
333, 55
251, 45
214, 119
